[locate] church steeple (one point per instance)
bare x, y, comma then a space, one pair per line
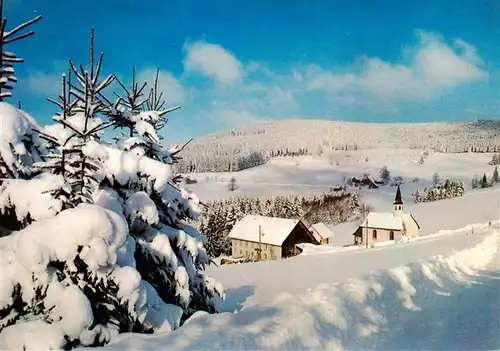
398, 203
398, 200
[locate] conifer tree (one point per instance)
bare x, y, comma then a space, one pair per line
18, 146
169, 252
495, 178
74, 139
484, 181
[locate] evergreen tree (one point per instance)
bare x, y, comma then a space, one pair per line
157, 209
417, 196
495, 178
132, 263
18, 143
484, 181
74, 140
495, 160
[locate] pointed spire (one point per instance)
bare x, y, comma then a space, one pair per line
398, 200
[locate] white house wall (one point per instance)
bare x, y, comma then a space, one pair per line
248, 250
411, 228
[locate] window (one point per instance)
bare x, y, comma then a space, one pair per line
391, 235
374, 234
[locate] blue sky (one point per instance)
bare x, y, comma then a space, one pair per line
234, 62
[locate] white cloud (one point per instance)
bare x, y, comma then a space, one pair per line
44, 84
433, 68
213, 61
173, 91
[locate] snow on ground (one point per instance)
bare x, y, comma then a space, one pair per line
314, 175
246, 284
435, 303
476, 206
310, 175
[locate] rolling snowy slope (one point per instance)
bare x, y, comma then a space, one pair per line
309, 175
415, 305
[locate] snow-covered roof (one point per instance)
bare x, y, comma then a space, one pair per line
274, 230
386, 220
322, 230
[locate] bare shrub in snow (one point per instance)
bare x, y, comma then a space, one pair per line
232, 186
385, 175
436, 180
331, 159
475, 182
397, 180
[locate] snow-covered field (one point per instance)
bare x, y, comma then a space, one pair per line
309, 175
450, 298
246, 284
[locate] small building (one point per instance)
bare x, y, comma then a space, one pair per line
384, 226
321, 232
268, 238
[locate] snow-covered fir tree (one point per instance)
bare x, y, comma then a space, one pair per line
18, 143
74, 140
448, 190
495, 179
131, 263
169, 252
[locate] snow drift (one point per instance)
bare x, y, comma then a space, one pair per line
338, 316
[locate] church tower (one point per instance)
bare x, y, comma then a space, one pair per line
398, 204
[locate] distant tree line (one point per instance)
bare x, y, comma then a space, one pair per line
447, 190
287, 152
483, 182
221, 162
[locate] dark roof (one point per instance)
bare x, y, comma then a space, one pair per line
398, 200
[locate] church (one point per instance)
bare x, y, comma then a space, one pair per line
386, 226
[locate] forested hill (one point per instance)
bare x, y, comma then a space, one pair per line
250, 145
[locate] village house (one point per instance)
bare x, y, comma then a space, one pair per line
268, 238
384, 226
321, 232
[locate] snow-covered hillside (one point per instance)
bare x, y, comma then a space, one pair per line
307, 175
388, 305
314, 137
